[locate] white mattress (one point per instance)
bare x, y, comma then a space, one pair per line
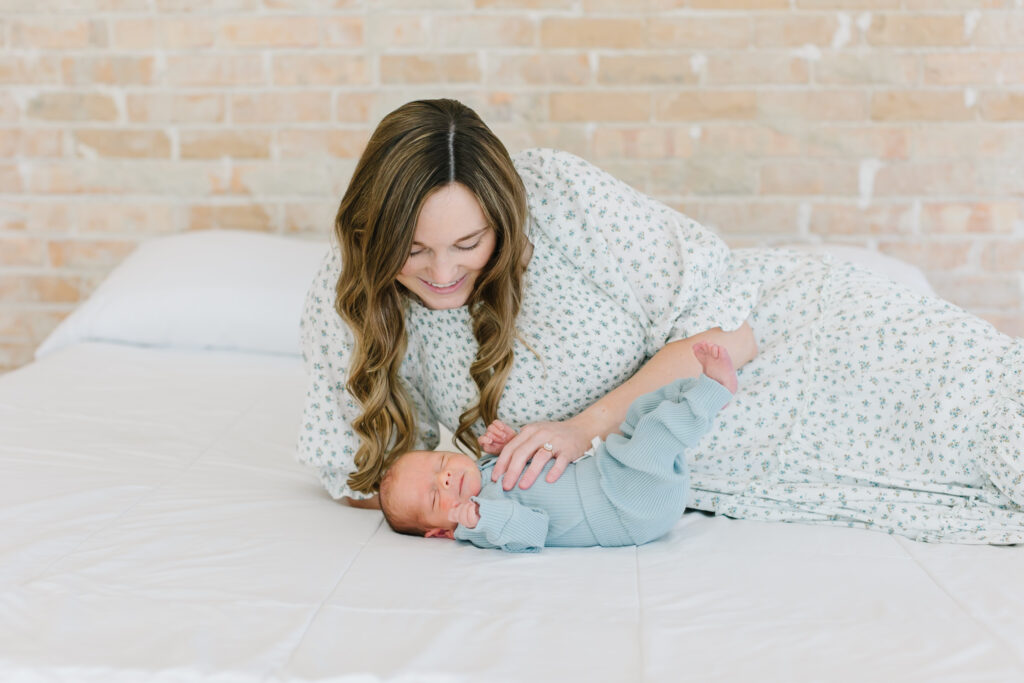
154, 526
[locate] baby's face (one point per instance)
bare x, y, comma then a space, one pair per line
430, 483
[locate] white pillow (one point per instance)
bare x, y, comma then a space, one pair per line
893, 268
217, 289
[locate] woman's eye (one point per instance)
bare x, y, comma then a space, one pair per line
471, 247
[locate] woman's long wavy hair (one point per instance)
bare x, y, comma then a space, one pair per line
417, 149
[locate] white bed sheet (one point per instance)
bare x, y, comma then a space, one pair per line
155, 527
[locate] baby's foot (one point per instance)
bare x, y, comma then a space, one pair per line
717, 364
498, 434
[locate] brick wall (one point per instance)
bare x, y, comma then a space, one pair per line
895, 124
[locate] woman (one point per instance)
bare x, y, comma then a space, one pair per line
546, 293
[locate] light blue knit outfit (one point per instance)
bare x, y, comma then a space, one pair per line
632, 490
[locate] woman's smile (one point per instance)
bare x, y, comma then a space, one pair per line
446, 288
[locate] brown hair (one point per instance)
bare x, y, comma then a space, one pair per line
417, 149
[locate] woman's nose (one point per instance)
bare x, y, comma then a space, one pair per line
442, 271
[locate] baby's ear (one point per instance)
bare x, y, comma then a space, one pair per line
441, 533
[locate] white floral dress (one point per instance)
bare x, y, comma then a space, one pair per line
868, 405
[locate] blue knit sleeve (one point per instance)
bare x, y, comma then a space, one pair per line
508, 525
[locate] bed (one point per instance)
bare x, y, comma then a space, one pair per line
154, 526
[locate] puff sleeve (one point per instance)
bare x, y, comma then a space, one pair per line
666, 269
327, 440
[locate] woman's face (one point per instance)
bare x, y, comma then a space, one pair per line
451, 246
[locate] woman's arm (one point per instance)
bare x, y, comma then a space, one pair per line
675, 360
569, 439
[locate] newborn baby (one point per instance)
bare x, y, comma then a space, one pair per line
628, 490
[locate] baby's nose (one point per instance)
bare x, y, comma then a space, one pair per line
446, 479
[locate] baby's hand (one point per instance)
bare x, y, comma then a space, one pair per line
466, 514
498, 434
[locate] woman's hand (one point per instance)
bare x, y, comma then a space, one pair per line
536, 444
